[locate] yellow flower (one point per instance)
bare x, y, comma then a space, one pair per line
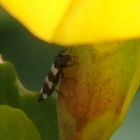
78, 21
96, 99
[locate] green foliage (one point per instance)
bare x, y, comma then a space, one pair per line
15, 125
22, 116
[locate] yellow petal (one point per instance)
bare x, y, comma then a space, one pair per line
41, 17
96, 98
78, 21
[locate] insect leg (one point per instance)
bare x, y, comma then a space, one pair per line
59, 92
63, 77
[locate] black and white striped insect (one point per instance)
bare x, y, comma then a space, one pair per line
56, 72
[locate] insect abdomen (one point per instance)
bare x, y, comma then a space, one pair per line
50, 82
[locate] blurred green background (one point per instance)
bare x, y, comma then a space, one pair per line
32, 59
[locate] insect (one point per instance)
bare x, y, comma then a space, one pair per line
56, 72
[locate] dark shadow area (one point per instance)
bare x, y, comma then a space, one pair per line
31, 57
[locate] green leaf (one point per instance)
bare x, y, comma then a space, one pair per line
9, 93
42, 114
15, 125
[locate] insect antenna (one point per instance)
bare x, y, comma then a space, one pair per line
69, 50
